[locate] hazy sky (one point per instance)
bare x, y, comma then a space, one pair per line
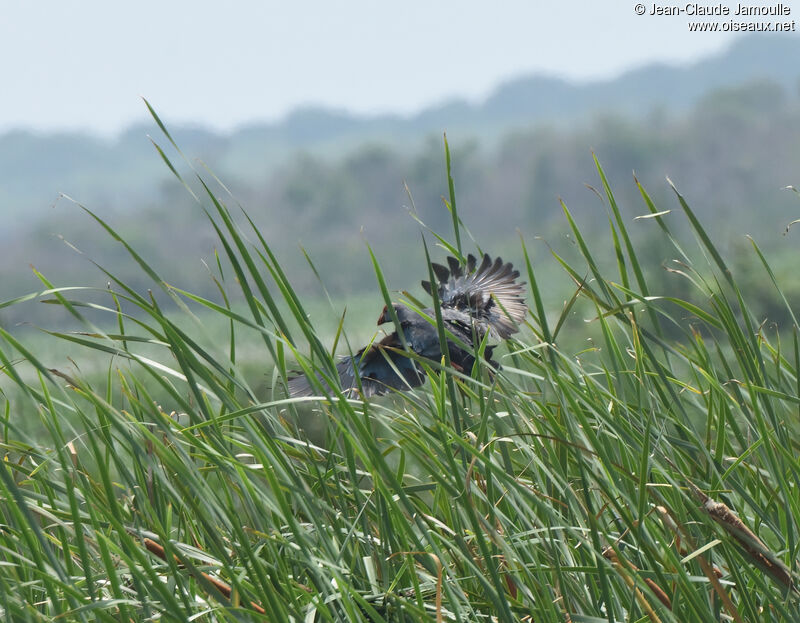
84, 65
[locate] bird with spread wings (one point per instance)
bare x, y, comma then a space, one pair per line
475, 301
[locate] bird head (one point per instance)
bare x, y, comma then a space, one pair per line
386, 315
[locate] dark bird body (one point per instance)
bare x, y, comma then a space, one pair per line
474, 301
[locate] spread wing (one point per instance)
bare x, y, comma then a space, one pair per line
486, 297
488, 293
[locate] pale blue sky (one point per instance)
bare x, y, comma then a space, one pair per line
84, 65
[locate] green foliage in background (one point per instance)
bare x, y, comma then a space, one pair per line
731, 150
649, 474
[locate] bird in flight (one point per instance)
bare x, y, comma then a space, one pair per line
475, 300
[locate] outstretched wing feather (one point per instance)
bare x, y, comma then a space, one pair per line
490, 294
441, 272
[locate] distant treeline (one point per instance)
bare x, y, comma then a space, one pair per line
121, 173
732, 155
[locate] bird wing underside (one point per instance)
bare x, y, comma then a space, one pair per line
488, 293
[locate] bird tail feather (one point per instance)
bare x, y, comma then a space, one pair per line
301, 386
